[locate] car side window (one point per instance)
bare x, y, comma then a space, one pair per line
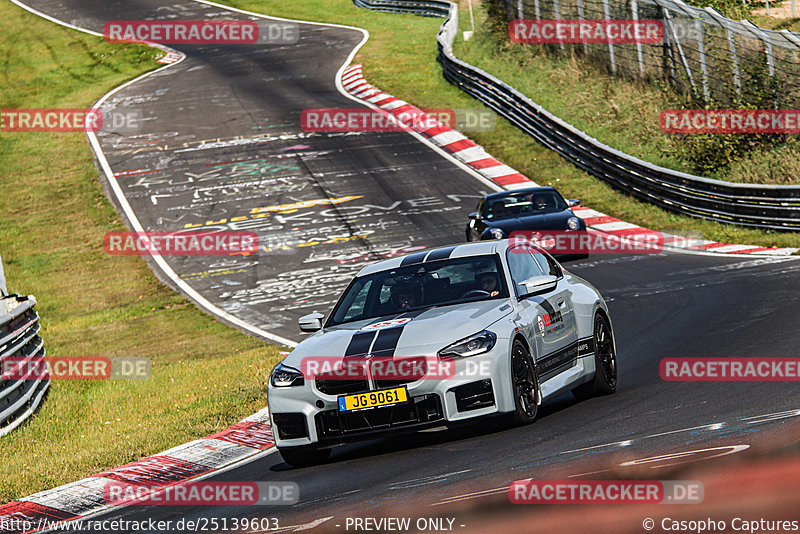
522, 266
548, 265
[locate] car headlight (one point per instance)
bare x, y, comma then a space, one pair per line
573, 223
496, 233
284, 376
471, 346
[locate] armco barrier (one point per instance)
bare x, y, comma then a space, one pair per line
19, 337
761, 206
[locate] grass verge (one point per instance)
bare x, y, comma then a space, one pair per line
53, 215
400, 58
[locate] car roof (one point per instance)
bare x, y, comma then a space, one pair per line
523, 190
478, 248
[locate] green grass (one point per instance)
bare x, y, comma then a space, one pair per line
400, 58
53, 215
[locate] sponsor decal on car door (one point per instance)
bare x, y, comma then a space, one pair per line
547, 319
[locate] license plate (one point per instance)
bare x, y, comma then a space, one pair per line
373, 399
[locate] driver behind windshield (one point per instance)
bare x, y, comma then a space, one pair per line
541, 203
488, 281
406, 294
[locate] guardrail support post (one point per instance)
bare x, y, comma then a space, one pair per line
668, 57
635, 15
737, 79
761, 36
557, 16
701, 50
582, 16
676, 37
612, 58
725, 23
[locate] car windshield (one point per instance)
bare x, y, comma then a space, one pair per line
523, 203
414, 287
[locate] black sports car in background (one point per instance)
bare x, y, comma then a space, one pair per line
535, 208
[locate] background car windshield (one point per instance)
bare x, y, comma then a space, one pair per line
435, 283
521, 204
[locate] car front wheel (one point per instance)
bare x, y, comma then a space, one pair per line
524, 383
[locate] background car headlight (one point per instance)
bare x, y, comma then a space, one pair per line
284, 376
573, 223
471, 346
496, 233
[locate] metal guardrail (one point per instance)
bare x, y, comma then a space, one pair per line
760, 206
19, 338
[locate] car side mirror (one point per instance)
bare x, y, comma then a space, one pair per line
311, 322
538, 284
474, 215
574, 202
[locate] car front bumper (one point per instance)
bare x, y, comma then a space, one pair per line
476, 386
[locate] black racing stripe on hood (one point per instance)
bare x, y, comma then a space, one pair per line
440, 254
359, 344
386, 342
417, 257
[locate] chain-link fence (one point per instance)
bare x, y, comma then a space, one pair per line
716, 60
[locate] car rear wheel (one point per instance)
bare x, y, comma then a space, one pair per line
524, 384
605, 361
304, 456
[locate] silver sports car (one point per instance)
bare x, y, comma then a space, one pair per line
438, 337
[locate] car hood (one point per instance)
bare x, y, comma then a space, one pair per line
545, 221
422, 332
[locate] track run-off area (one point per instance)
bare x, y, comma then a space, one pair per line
221, 147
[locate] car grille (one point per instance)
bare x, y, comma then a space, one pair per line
391, 380
421, 409
422, 367
342, 387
